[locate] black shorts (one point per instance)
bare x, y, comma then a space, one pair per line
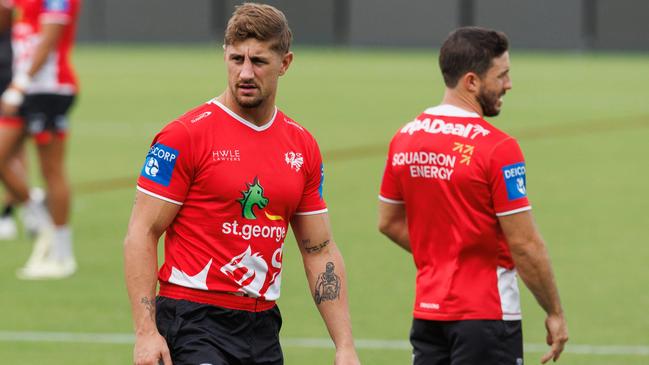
469, 342
205, 334
46, 113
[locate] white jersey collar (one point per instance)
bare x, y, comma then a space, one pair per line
448, 110
244, 121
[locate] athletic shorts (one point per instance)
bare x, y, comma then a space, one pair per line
205, 334
467, 342
44, 116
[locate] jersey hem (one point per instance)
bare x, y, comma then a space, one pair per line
216, 298
463, 317
514, 211
391, 201
150, 193
313, 212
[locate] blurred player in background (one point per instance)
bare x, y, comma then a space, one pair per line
454, 195
224, 181
36, 103
17, 163
8, 229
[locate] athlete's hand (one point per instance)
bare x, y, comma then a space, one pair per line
346, 356
151, 349
11, 100
557, 336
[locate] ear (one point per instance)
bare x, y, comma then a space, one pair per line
286, 62
471, 82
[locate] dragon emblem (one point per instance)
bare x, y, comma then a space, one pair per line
251, 197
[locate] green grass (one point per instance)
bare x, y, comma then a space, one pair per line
583, 123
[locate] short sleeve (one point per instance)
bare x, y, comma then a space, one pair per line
390, 191
312, 201
57, 11
168, 169
508, 183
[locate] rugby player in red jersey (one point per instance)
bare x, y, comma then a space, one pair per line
454, 195
223, 182
36, 103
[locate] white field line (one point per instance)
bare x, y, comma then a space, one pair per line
364, 344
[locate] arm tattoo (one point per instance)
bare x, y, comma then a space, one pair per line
315, 248
149, 305
327, 287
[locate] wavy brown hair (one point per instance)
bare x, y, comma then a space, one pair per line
261, 22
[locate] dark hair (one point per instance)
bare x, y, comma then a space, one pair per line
259, 21
470, 49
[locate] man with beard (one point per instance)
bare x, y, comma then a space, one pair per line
223, 182
454, 195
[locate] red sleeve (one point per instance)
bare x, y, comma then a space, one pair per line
507, 178
168, 168
312, 201
390, 190
58, 11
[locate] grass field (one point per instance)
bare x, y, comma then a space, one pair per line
581, 119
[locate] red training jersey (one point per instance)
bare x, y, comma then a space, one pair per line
238, 186
56, 76
456, 174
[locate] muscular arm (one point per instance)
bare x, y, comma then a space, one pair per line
533, 265
149, 219
325, 271
393, 224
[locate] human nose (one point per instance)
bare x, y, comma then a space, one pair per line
247, 72
508, 83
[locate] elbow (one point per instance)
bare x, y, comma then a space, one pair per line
388, 228
384, 227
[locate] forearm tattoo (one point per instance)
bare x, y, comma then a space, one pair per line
327, 287
314, 248
149, 305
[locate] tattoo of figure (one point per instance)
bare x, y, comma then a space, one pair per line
327, 287
316, 248
149, 305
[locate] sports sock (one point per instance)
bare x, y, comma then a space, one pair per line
62, 243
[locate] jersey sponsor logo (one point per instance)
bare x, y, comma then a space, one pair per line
293, 123
515, 181
294, 160
200, 117
160, 163
57, 5
249, 270
429, 165
429, 305
438, 126
229, 155
251, 231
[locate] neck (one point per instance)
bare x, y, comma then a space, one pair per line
462, 100
259, 115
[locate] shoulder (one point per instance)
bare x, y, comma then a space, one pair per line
197, 119
293, 128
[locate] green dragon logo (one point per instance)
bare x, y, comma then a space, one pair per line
251, 197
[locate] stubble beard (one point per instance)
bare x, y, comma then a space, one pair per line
488, 101
250, 104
